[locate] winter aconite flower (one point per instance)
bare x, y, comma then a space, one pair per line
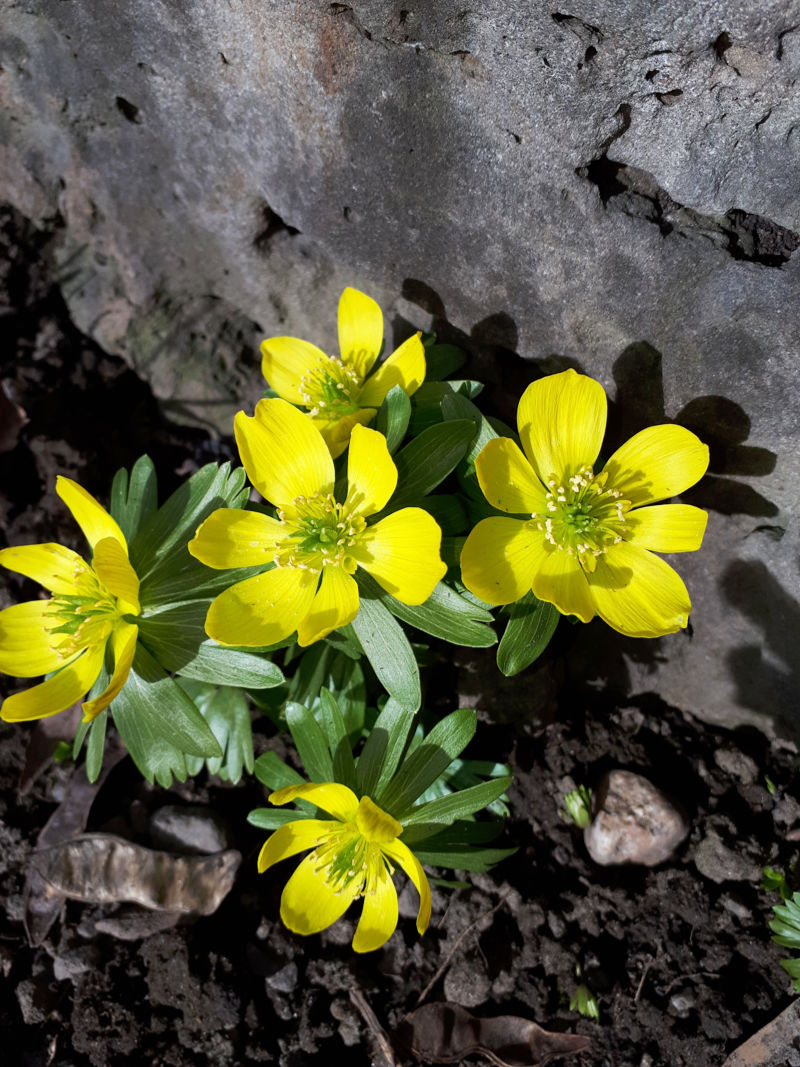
586, 544
316, 543
68, 635
353, 856
337, 391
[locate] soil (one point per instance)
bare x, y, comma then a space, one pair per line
680, 961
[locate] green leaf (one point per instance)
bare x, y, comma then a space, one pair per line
310, 742
393, 416
448, 511
389, 653
383, 748
456, 406
531, 624
95, 747
444, 614
427, 460
311, 673
441, 361
786, 924
272, 818
463, 859
419, 770
428, 819
134, 499
792, 967
333, 725
273, 773
158, 722
227, 712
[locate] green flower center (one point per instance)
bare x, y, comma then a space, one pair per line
583, 517
320, 532
345, 856
87, 616
331, 389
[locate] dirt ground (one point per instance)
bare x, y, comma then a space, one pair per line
680, 961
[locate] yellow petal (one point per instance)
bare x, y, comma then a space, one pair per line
336, 799
232, 538
335, 605
379, 916
123, 648
290, 839
110, 564
285, 362
656, 463
560, 580
309, 904
57, 693
360, 331
507, 478
27, 649
666, 527
336, 432
92, 517
401, 552
637, 593
57, 568
405, 367
283, 452
262, 610
371, 473
500, 558
561, 421
375, 824
413, 868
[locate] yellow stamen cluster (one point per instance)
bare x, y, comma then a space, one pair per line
344, 856
583, 517
331, 388
86, 616
320, 532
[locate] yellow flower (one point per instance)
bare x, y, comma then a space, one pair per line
352, 858
336, 391
316, 543
68, 634
586, 545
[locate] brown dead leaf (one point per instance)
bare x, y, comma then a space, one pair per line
446, 1033
43, 740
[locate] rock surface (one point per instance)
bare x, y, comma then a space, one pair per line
634, 822
615, 185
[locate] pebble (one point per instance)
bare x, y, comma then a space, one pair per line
715, 861
737, 764
284, 980
467, 983
635, 822
193, 829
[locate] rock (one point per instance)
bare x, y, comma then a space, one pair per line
737, 764
191, 830
466, 981
717, 861
634, 823
775, 1045
284, 980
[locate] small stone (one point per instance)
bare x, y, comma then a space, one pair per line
736, 907
284, 980
717, 862
193, 830
681, 1004
467, 983
737, 764
635, 822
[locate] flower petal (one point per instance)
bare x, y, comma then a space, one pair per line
561, 421
371, 472
375, 824
291, 838
507, 479
405, 367
53, 566
666, 527
232, 538
336, 799
500, 558
379, 916
560, 580
309, 904
413, 868
110, 564
262, 610
91, 516
57, 693
335, 605
401, 552
336, 432
286, 361
360, 331
123, 647
283, 452
27, 649
637, 593
656, 463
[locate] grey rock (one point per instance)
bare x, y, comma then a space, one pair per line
737, 764
681, 1004
466, 982
193, 829
284, 980
774, 1045
717, 861
634, 822
574, 183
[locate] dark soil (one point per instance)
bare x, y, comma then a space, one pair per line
682, 964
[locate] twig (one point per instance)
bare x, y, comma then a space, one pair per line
361, 1003
648, 963
453, 950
